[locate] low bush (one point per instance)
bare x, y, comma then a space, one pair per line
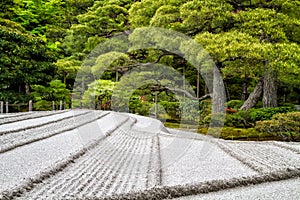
248, 118
214, 120
234, 104
240, 119
285, 125
267, 113
42, 105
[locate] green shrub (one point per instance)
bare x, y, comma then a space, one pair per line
239, 133
267, 113
214, 120
240, 119
235, 104
231, 133
172, 109
44, 95
291, 105
248, 118
42, 105
205, 107
286, 125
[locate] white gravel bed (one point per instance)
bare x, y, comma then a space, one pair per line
19, 125
292, 146
16, 139
120, 163
106, 124
189, 161
23, 163
27, 161
28, 115
262, 156
126, 156
285, 189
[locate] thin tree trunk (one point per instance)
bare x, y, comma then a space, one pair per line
65, 78
245, 88
270, 89
198, 84
284, 95
27, 88
254, 96
219, 96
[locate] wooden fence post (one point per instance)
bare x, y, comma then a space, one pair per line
1, 107
6, 107
60, 105
53, 105
30, 106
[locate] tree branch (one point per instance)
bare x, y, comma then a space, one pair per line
125, 68
189, 95
166, 88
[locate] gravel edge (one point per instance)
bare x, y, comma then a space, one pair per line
169, 192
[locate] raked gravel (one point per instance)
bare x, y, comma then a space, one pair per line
134, 157
124, 161
15, 139
199, 161
27, 161
34, 122
16, 117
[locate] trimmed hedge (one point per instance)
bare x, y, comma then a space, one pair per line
286, 125
248, 118
234, 104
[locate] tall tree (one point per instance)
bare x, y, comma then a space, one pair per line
267, 23
24, 60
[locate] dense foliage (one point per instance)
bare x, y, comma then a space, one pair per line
24, 60
285, 125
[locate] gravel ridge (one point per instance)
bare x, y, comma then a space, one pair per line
127, 163
32, 115
12, 115
29, 184
169, 192
12, 143
33, 126
261, 156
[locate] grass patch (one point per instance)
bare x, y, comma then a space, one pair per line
231, 133
171, 125
227, 133
181, 126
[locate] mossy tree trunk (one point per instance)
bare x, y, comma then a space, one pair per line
270, 89
254, 96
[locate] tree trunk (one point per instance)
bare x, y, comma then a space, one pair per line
27, 88
254, 96
198, 84
270, 89
245, 89
219, 96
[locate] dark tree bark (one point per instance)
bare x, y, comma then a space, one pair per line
27, 90
218, 96
270, 89
245, 88
254, 96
